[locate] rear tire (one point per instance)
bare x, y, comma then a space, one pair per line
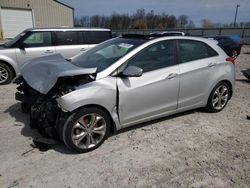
6, 74
86, 129
219, 97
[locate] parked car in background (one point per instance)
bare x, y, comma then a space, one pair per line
230, 44
168, 33
122, 82
33, 43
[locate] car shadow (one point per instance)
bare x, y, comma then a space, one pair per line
23, 118
145, 124
246, 73
243, 80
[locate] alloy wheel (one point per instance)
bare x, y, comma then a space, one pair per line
88, 131
4, 74
220, 97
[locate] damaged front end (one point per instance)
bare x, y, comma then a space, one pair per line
38, 94
45, 114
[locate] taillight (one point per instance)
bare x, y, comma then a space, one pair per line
230, 60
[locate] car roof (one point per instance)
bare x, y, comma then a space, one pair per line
68, 29
155, 36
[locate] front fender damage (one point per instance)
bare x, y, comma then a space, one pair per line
45, 114
48, 112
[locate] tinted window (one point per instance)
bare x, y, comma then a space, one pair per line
95, 37
191, 50
156, 56
37, 39
67, 37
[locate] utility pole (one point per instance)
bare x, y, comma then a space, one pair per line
236, 12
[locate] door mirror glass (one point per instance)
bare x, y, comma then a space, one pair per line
22, 46
132, 71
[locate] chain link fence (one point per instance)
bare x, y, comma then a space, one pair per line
244, 32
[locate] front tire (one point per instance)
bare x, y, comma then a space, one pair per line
6, 74
219, 97
86, 129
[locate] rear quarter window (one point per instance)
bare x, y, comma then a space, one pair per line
191, 50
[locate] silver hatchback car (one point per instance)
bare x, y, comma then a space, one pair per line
123, 82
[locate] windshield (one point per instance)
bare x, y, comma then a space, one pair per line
14, 40
106, 54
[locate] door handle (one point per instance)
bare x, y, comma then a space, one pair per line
172, 75
82, 49
48, 52
211, 64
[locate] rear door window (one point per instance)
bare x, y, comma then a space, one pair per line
95, 37
67, 37
191, 50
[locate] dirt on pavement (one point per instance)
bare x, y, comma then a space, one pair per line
191, 149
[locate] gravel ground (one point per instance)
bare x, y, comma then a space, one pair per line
192, 149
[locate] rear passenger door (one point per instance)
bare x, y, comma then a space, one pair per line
197, 66
70, 43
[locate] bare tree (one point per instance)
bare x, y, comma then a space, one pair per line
139, 20
206, 23
183, 20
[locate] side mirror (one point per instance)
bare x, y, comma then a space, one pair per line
132, 71
22, 46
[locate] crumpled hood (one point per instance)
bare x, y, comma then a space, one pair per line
42, 73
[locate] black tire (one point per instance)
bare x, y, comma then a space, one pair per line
212, 97
69, 128
6, 74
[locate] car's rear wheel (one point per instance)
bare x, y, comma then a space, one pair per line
86, 129
6, 74
219, 97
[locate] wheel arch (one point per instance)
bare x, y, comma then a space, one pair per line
113, 128
228, 82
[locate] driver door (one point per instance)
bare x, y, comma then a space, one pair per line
36, 44
154, 93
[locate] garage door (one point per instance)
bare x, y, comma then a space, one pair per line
15, 21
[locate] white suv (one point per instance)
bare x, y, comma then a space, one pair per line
33, 43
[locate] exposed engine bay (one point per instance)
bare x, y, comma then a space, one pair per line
45, 114
44, 80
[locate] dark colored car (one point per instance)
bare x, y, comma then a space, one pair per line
230, 44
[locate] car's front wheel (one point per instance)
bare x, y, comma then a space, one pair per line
219, 97
86, 129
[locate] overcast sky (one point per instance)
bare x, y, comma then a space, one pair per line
215, 10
